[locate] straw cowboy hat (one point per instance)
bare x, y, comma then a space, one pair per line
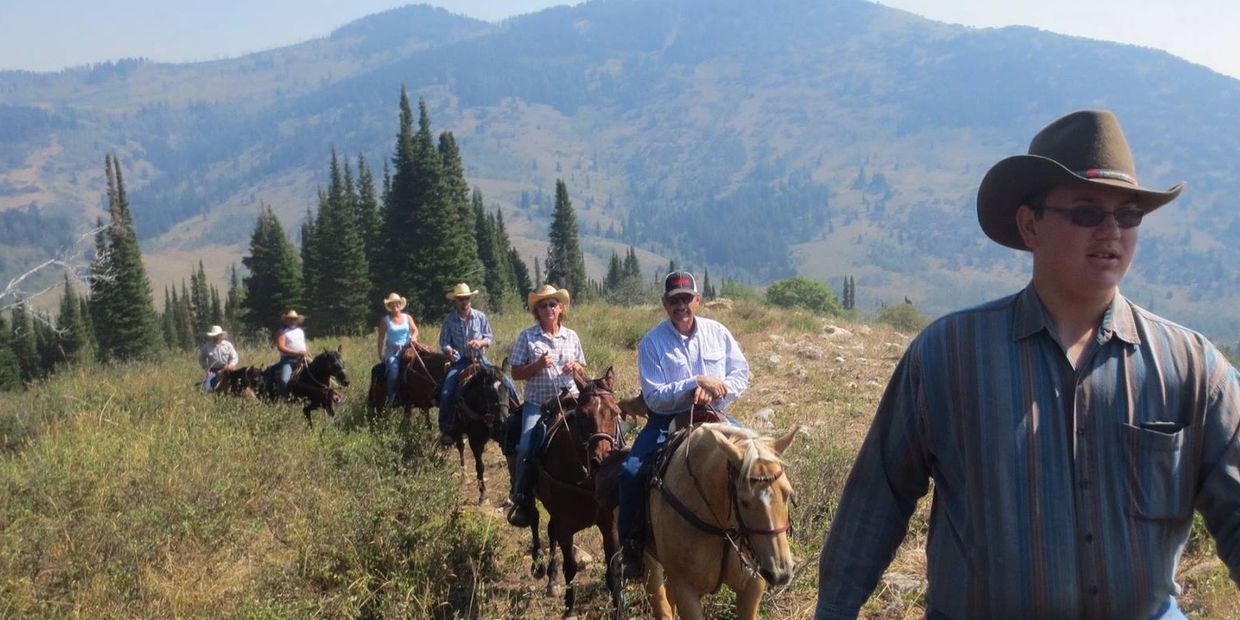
1084, 147
546, 291
394, 299
461, 290
292, 314
216, 330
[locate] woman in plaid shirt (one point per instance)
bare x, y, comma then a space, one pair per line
546, 356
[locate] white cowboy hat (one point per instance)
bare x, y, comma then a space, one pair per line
394, 299
292, 314
216, 330
461, 290
547, 291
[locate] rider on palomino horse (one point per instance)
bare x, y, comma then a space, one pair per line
683, 362
547, 356
464, 335
216, 356
291, 342
396, 331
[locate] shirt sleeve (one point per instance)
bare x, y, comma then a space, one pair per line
233, 358
484, 326
204, 357
737, 378
888, 477
581, 353
520, 355
445, 339
1219, 497
661, 395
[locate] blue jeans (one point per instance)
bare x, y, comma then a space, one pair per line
1169, 610
447, 393
286, 372
208, 384
632, 474
532, 434
391, 366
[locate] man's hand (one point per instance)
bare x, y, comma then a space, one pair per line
545, 360
476, 343
449, 351
710, 387
572, 368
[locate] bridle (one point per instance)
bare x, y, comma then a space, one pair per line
585, 446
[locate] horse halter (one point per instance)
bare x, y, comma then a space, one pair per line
587, 395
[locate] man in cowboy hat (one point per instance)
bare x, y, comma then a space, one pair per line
1069, 432
291, 343
547, 356
216, 355
683, 362
464, 336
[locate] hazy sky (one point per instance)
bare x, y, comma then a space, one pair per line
47, 35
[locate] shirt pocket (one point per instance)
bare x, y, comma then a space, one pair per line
714, 362
1159, 473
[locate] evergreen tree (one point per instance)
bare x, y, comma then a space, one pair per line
48, 343
566, 267
274, 283
217, 309
707, 292
10, 366
493, 252
122, 310
84, 312
615, 273
186, 334
632, 268
74, 338
200, 300
518, 278
232, 305
407, 189
370, 224
167, 321
312, 260
521, 274
25, 345
338, 292
538, 279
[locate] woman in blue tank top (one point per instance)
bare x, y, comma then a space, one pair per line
396, 330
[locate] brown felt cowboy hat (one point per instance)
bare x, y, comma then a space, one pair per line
1085, 147
395, 300
546, 291
461, 290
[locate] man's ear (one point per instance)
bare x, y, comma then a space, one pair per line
1025, 223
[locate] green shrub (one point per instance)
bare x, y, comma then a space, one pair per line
731, 289
800, 292
904, 317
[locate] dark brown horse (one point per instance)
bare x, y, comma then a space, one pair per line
311, 384
482, 409
421, 375
582, 433
243, 381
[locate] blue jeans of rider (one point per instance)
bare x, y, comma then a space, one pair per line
391, 367
531, 435
286, 372
633, 473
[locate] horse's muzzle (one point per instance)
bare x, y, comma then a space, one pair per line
775, 578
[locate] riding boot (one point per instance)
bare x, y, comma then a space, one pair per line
522, 513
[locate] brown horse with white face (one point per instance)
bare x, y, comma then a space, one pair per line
719, 514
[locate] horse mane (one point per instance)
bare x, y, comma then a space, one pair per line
755, 448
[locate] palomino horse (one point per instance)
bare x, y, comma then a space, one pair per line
581, 434
482, 407
312, 384
421, 374
719, 514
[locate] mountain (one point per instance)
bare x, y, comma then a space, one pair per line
760, 139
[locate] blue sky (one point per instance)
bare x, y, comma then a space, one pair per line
47, 35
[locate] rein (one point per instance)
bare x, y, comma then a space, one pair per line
736, 537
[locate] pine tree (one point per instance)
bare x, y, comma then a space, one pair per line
84, 312
167, 321
48, 343
493, 252
566, 267
312, 260
187, 336
518, 277
538, 279
25, 345
632, 268
338, 292
521, 274
217, 309
370, 223
10, 366
406, 190
615, 273
74, 339
200, 300
232, 304
274, 283
121, 307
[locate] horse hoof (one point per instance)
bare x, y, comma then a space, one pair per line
553, 590
538, 571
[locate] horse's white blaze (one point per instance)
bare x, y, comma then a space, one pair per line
496, 386
766, 497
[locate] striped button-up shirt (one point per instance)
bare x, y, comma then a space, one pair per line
564, 347
668, 364
1059, 492
455, 331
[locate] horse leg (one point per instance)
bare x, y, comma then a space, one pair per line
306, 411
656, 591
748, 597
460, 449
426, 417
570, 571
688, 601
611, 543
553, 560
537, 568
476, 445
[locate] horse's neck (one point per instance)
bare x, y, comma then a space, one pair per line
699, 471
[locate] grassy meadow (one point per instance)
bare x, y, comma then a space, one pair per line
126, 493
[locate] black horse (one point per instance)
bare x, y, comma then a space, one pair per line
311, 384
482, 409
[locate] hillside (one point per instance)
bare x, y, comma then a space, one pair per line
759, 139
126, 493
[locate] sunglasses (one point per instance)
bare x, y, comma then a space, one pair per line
1090, 216
680, 300
548, 304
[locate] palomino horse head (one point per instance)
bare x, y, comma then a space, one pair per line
761, 499
596, 420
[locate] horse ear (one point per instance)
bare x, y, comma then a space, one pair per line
782, 443
581, 385
609, 377
506, 366
339, 348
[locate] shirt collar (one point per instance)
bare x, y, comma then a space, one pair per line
1032, 317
